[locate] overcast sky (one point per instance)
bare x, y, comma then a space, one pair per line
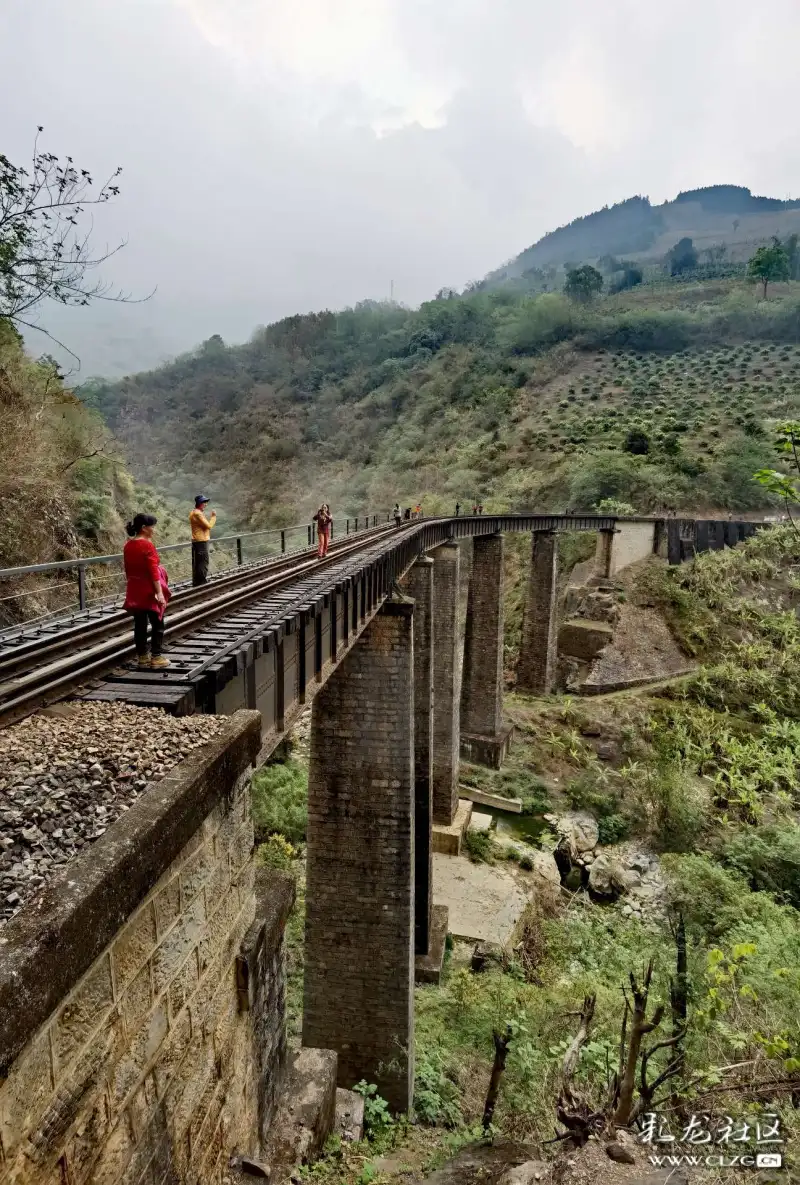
281, 156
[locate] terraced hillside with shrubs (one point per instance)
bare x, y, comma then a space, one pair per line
663, 398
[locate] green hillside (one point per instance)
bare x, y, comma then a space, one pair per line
725, 222
661, 396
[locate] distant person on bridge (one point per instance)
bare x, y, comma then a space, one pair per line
323, 519
201, 533
398, 514
146, 591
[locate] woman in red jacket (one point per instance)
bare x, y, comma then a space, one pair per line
146, 592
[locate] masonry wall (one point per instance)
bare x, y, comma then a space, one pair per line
631, 542
482, 683
537, 654
164, 1055
359, 972
447, 590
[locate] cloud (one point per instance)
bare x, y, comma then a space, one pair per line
287, 155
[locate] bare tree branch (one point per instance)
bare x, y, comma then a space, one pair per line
44, 243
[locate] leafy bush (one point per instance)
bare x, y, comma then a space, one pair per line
717, 901
625, 478
677, 808
280, 801
479, 846
613, 828
591, 792
436, 1096
770, 859
377, 1117
637, 442
276, 852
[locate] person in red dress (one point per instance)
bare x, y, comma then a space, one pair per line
146, 591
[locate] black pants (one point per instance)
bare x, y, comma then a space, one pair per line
199, 563
141, 619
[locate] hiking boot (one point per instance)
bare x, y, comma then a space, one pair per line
159, 662
144, 662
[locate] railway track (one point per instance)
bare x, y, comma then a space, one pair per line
43, 664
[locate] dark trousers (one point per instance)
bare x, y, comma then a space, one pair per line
141, 619
199, 563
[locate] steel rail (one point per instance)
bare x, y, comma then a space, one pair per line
91, 561
17, 655
58, 678
41, 683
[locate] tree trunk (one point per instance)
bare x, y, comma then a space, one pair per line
501, 1044
765, 288
573, 1053
679, 991
640, 1027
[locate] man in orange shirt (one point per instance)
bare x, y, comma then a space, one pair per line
201, 533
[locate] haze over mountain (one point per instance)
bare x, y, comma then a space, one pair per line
282, 158
728, 219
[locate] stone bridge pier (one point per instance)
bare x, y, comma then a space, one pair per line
359, 974
389, 726
537, 656
484, 737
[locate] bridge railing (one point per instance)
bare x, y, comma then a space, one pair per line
84, 582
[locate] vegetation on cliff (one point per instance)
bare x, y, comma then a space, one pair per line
659, 396
64, 485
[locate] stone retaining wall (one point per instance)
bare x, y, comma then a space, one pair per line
141, 993
632, 541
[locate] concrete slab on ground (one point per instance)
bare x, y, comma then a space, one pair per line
498, 801
447, 839
480, 821
484, 900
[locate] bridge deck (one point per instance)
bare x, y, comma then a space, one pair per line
234, 661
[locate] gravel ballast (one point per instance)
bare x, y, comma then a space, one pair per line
68, 773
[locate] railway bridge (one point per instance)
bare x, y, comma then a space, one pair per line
369, 637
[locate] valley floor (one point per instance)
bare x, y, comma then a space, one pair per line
675, 801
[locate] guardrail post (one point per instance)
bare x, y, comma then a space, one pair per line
331, 535
238, 551
81, 587
309, 535
356, 526
283, 541
347, 532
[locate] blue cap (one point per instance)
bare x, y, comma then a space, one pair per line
200, 499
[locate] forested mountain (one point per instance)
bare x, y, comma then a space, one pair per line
718, 216
661, 396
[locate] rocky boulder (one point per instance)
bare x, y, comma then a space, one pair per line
608, 876
529, 1173
577, 830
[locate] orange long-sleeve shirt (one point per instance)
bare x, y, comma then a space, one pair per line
201, 526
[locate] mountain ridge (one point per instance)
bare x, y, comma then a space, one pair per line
714, 216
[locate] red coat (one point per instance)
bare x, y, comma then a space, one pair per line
142, 571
